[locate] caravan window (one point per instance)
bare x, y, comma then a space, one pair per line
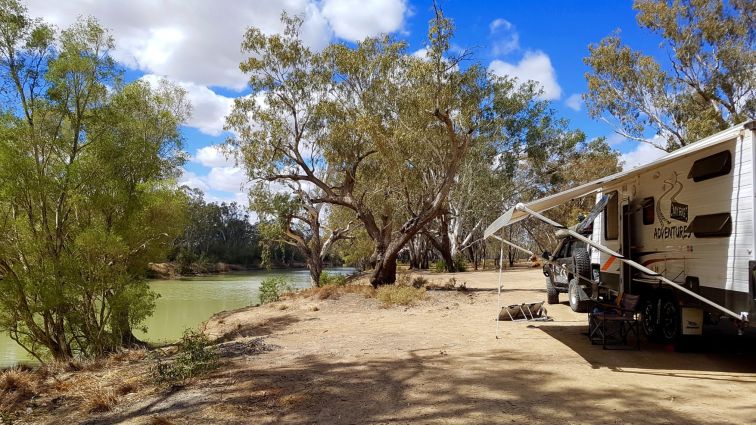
611, 217
648, 210
712, 166
711, 225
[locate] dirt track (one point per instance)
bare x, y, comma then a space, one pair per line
352, 361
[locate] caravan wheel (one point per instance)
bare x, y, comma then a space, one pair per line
649, 318
669, 323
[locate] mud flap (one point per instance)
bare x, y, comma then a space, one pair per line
691, 321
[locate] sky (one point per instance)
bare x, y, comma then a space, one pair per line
196, 44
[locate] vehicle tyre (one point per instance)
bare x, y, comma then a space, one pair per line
552, 294
649, 322
669, 321
660, 319
582, 263
574, 292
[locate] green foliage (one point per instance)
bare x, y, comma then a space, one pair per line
216, 233
460, 264
707, 85
86, 188
439, 266
332, 279
272, 288
193, 358
370, 127
400, 294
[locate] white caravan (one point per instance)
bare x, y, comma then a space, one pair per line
678, 231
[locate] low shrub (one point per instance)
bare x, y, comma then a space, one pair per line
332, 279
420, 282
272, 288
194, 357
439, 266
334, 292
460, 264
400, 294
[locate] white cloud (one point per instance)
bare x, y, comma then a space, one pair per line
240, 198
615, 139
228, 179
209, 109
574, 102
504, 37
192, 180
356, 19
213, 156
642, 154
198, 41
536, 66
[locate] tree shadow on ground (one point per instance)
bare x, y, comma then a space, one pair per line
267, 327
726, 354
427, 386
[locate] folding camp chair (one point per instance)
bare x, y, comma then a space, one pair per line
524, 311
610, 324
513, 312
536, 311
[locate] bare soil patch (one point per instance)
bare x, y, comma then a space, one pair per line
347, 358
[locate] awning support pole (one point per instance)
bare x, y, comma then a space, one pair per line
498, 294
631, 263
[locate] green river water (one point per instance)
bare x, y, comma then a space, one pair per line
187, 302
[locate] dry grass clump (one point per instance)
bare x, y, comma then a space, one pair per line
450, 285
129, 386
98, 399
334, 292
22, 383
127, 356
400, 294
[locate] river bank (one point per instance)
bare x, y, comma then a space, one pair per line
185, 302
350, 359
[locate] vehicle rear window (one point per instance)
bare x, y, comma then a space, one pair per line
711, 225
712, 166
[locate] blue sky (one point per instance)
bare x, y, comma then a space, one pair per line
195, 43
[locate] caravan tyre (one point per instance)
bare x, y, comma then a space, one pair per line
669, 321
552, 294
574, 292
649, 315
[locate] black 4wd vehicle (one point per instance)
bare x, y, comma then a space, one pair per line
569, 268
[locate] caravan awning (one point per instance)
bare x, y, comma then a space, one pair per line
513, 216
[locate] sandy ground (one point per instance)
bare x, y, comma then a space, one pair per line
355, 362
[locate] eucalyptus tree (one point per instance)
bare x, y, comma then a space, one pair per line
86, 193
292, 218
215, 233
393, 128
707, 85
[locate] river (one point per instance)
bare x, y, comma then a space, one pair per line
187, 302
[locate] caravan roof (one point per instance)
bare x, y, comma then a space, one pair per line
543, 204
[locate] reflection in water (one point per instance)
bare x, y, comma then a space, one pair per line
185, 303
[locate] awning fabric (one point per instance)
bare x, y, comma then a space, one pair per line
513, 216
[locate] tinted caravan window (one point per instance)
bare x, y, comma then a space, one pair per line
648, 210
711, 225
712, 166
611, 217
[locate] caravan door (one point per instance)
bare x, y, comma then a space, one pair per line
611, 220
